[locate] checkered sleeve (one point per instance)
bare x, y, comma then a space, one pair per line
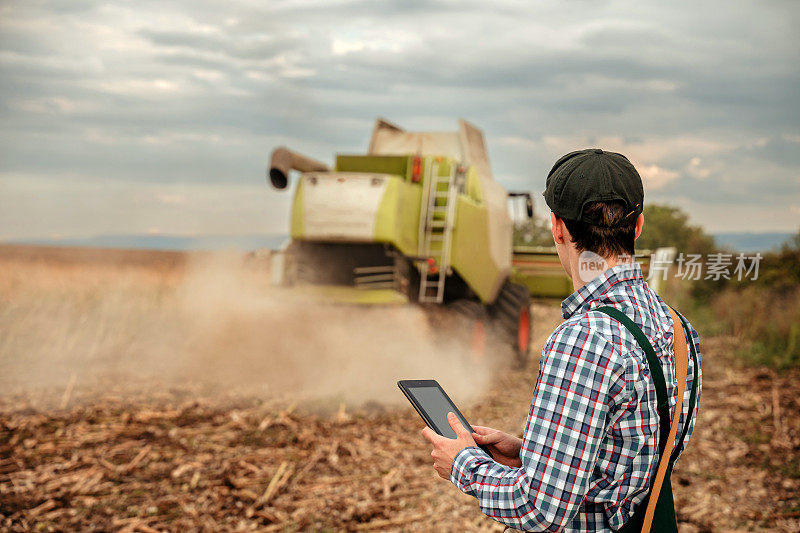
581, 377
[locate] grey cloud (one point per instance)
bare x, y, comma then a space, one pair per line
198, 92
261, 48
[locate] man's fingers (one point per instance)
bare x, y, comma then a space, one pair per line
455, 423
490, 438
429, 434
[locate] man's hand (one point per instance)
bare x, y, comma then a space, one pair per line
444, 449
505, 448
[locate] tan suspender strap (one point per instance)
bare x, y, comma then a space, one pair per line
681, 370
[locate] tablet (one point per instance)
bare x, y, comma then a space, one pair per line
432, 403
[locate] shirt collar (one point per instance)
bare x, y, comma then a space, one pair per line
580, 300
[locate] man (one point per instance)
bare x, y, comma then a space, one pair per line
590, 449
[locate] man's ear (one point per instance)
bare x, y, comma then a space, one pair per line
557, 227
639, 224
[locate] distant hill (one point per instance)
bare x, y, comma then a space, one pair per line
751, 242
168, 242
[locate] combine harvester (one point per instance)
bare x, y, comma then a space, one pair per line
417, 220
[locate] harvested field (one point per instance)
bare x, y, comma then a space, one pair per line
89, 442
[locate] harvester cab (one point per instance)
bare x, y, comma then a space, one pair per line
418, 219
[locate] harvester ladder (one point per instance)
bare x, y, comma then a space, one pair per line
436, 232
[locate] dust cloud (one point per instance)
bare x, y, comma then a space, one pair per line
216, 325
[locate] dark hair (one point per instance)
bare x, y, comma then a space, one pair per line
612, 238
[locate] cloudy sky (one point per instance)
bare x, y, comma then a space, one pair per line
136, 117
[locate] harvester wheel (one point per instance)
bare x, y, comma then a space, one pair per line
511, 316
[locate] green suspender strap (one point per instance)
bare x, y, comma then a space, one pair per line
659, 516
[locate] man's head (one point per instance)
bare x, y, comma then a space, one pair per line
596, 199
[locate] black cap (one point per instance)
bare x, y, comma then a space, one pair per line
593, 175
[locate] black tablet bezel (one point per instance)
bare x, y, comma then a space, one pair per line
406, 384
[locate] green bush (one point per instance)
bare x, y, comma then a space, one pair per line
666, 225
765, 313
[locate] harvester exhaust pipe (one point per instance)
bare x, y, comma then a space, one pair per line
283, 160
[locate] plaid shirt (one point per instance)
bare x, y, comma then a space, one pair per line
590, 446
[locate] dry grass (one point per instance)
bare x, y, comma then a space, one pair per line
125, 451
765, 322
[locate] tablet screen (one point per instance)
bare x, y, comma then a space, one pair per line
437, 406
